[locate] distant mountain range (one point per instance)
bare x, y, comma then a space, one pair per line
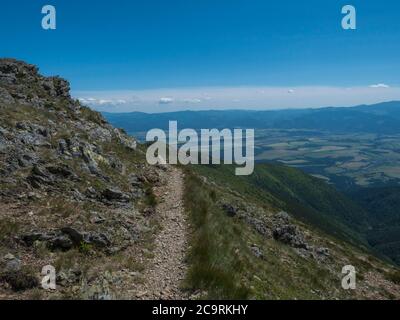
382, 118
354, 148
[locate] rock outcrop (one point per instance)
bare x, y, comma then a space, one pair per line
70, 183
44, 131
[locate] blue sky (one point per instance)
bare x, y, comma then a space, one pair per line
168, 55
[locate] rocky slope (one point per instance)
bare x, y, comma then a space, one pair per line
75, 193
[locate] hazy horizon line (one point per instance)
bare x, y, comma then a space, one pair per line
235, 98
259, 110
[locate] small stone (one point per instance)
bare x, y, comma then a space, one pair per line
323, 251
12, 263
9, 256
134, 274
141, 294
256, 251
256, 278
73, 234
114, 194
97, 219
62, 242
283, 216
230, 210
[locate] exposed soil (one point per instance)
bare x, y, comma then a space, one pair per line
166, 270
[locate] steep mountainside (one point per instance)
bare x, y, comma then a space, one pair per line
245, 246
383, 206
310, 199
75, 193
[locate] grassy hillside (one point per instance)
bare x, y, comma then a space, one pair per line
382, 205
308, 199
235, 252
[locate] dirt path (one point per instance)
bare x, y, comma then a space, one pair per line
163, 278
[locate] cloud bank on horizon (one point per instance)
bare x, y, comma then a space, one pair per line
255, 98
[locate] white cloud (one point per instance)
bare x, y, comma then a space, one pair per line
245, 97
101, 102
165, 100
379, 85
194, 100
